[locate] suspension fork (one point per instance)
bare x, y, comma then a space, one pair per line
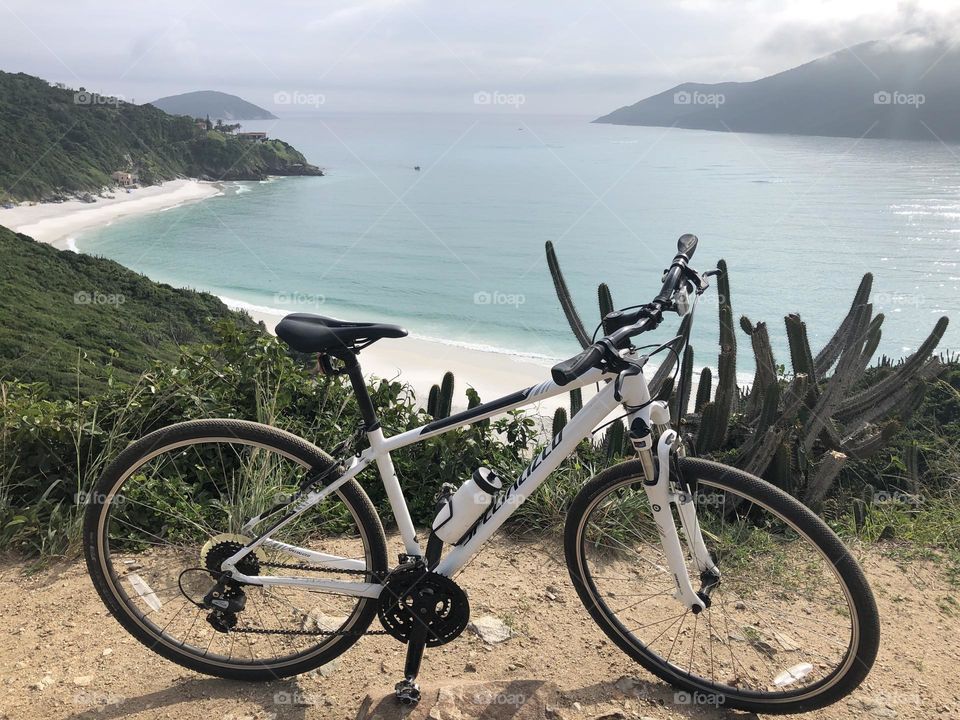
662, 494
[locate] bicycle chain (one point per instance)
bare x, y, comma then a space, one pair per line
311, 633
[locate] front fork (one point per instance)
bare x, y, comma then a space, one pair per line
664, 494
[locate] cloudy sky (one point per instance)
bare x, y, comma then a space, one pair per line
585, 57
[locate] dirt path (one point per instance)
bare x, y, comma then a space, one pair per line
63, 656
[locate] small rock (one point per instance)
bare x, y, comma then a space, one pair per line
470, 667
492, 630
107, 651
83, 680
740, 605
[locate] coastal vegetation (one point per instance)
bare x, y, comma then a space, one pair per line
76, 323
60, 142
63, 416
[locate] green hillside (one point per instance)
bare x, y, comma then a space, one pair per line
58, 308
57, 140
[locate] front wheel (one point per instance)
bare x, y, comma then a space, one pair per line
792, 625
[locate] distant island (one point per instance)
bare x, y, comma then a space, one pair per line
213, 104
903, 88
60, 142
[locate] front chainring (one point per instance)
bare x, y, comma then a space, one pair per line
414, 595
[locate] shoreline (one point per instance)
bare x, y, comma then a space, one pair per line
422, 363
56, 223
416, 361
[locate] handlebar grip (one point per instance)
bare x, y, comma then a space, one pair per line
687, 244
569, 370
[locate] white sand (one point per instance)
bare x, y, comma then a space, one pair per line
57, 223
416, 361
422, 363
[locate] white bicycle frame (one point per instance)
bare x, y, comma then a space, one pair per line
634, 393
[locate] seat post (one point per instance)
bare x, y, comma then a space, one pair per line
367, 411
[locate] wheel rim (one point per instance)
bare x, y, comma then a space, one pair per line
159, 514
782, 625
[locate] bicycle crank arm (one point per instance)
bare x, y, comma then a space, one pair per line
661, 497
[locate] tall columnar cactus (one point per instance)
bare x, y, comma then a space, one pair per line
566, 301
798, 432
440, 399
605, 300
559, 420
576, 401
704, 388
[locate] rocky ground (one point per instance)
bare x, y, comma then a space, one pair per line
64, 656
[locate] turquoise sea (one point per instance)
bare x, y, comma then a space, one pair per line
455, 251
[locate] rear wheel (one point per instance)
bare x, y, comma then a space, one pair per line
792, 625
170, 509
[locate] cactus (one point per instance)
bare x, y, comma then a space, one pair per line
605, 300
440, 399
684, 382
727, 391
765, 374
576, 401
703, 390
799, 434
831, 351
566, 302
559, 420
445, 401
614, 440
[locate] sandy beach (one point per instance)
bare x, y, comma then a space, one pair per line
57, 223
417, 361
422, 363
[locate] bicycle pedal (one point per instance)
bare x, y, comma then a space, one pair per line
407, 692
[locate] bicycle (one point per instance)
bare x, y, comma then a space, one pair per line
712, 579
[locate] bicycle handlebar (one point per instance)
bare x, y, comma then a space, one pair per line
629, 323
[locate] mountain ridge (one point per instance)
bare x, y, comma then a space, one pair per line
213, 104
877, 89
